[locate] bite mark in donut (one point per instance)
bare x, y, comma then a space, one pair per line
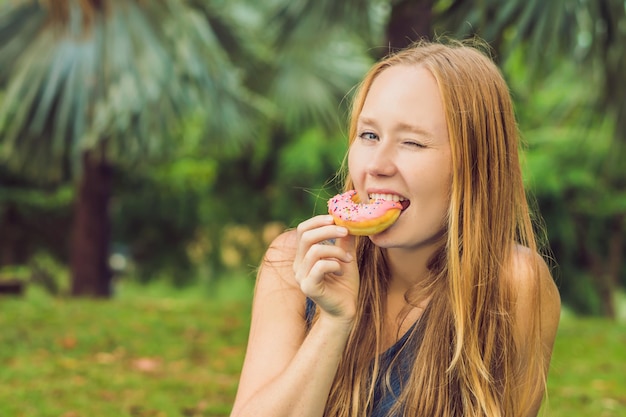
363, 219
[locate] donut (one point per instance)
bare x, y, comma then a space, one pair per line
363, 219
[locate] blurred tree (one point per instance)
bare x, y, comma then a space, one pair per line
90, 83
570, 167
384, 25
409, 20
591, 35
304, 55
315, 53
157, 213
304, 67
588, 33
31, 219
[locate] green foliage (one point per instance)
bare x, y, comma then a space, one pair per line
33, 220
275, 97
312, 76
37, 199
574, 117
157, 214
573, 166
122, 76
207, 80
306, 169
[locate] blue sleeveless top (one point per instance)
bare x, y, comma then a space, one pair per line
398, 359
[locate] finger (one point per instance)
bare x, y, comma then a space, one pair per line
325, 234
320, 251
309, 237
315, 253
314, 284
314, 223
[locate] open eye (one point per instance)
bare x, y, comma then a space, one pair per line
368, 136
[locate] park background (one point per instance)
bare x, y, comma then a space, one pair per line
150, 150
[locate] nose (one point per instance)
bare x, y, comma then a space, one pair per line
381, 162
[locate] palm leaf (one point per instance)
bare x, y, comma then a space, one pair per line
126, 77
300, 18
312, 77
316, 52
587, 32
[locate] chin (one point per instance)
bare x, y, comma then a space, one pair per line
393, 238
385, 239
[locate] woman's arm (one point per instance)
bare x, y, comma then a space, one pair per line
287, 372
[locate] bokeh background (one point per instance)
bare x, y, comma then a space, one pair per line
150, 150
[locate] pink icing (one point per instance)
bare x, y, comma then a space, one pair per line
345, 208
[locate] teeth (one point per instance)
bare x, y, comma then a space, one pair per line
388, 197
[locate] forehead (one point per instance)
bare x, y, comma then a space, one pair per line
405, 95
404, 84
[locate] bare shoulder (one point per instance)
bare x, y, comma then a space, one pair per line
277, 264
536, 315
530, 273
276, 286
534, 288
283, 248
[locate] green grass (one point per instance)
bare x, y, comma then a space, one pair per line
137, 355
156, 352
588, 370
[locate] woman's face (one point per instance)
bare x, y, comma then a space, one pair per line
402, 149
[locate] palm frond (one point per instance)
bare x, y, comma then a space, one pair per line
26, 19
312, 77
127, 79
299, 18
587, 32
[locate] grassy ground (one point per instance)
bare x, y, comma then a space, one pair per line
588, 370
153, 352
139, 355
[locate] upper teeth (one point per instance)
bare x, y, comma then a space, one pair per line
389, 197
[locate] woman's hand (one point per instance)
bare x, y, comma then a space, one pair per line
327, 273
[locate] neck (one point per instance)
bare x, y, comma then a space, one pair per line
408, 267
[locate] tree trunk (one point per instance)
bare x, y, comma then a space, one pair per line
410, 21
11, 237
616, 255
91, 274
605, 268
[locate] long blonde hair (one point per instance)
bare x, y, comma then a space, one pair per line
467, 359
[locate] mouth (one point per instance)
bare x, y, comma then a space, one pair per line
390, 197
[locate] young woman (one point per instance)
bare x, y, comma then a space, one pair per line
450, 311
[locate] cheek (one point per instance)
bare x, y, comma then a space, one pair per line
434, 187
434, 173
436, 197
354, 162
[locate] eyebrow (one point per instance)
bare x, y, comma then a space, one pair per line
404, 127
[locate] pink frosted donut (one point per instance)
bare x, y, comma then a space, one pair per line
363, 219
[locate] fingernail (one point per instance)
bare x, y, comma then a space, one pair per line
349, 257
342, 231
